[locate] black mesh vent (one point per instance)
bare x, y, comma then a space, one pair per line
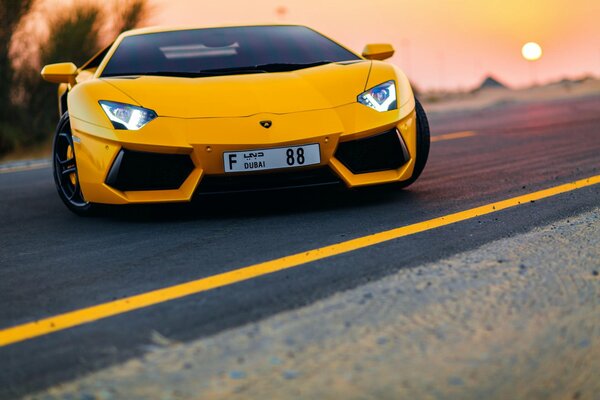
376, 153
134, 170
267, 181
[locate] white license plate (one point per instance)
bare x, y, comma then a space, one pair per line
281, 157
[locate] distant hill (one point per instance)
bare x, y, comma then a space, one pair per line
490, 83
573, 81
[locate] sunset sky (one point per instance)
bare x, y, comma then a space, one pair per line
439, 43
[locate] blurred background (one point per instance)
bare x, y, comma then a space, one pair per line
456, 53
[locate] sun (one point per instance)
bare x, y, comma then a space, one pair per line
531, 51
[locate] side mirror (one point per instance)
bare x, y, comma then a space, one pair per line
378, 51
60, 73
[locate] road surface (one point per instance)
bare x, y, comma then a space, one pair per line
52, 262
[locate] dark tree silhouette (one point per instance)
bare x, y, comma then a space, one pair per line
11, 14
74, 37
75, 34
131, 15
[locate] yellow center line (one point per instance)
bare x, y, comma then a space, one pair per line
452, 136
82, 316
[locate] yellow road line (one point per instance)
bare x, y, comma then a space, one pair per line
29, 167
452, 136
67, 320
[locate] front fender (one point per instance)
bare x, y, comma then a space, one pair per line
83, 101
382, 72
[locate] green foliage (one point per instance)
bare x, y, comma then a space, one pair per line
75, 35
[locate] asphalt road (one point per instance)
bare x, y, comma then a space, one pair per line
53, 262
488, 323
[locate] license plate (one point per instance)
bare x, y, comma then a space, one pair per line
274, 158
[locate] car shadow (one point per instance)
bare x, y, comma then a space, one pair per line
257, 204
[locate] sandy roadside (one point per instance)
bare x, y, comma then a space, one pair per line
516, 318
487, 98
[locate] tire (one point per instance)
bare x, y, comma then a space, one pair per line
423, 140
64, 168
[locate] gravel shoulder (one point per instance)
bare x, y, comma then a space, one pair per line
516, 318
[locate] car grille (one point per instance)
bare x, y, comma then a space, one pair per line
212, 184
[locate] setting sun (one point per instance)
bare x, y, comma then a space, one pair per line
531, 51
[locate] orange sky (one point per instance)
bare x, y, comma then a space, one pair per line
439, 43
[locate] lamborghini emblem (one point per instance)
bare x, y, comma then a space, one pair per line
266, 124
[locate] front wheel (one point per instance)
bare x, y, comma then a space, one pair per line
64, 164
422, 145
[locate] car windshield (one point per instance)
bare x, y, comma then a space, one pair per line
224, 51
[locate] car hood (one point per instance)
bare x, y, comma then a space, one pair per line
315, 88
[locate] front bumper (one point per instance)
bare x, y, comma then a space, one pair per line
203, 142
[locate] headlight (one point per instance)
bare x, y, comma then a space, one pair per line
381, 97
126, 116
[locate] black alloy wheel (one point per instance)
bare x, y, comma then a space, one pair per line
64, 164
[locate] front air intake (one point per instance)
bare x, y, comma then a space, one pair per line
382, 152
134, 170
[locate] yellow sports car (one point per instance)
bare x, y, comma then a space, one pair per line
162, 114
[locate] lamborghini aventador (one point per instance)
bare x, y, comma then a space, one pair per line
163, 114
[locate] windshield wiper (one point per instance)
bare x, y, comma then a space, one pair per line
234, 70
281, 67
251, 69
181, 74
261, 68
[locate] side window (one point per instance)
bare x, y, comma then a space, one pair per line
97, 59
